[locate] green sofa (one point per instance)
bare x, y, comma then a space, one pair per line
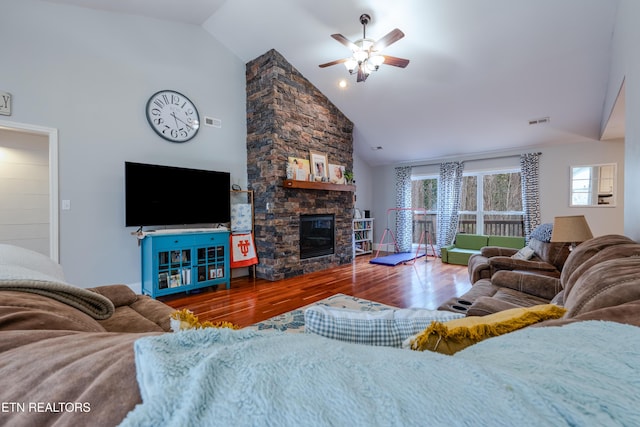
466, 245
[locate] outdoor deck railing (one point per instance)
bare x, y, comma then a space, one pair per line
494, 227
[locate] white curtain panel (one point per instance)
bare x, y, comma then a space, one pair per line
449, 188
404, 226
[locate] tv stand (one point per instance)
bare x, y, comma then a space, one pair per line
183, 260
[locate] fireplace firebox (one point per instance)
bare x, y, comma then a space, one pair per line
316, 235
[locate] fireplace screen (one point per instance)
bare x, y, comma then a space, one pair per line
316, 235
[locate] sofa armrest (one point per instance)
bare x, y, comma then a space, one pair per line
118, 294
507, 263
491, 251
444, 252
487, 305
529, 283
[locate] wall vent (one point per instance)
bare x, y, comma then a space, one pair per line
540, 121
210, 121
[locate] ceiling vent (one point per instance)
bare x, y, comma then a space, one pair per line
541, 121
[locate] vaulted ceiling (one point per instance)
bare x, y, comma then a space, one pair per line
480, 70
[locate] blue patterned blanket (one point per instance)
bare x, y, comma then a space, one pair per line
582, 374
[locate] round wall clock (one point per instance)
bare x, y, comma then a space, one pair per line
173, 116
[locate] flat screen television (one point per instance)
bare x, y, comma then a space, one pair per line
164, 195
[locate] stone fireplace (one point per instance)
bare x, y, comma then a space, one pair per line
287, 117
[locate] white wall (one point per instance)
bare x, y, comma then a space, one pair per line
89, 74
625, 66
24, 190
364, 185
555, 162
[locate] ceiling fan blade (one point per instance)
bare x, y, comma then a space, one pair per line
329, 64
396, 62
390, 38
345, 41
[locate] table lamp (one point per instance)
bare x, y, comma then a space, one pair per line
570, 229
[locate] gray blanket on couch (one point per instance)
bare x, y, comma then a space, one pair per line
18, 278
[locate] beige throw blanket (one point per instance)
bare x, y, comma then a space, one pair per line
18, 278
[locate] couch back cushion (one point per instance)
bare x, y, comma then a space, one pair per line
27, 311
586, 250
605, 284
471, 241
555, 254
506, 241
611, 252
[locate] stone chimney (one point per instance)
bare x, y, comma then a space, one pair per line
287, 117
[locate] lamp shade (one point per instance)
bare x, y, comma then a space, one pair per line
571, 229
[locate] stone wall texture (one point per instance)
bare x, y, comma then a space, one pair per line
287, 117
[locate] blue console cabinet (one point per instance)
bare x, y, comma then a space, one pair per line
184, 261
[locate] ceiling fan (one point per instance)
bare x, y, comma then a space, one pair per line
366, 56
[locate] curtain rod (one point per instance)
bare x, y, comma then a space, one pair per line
474, 160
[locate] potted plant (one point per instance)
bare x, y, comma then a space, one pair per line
348, 176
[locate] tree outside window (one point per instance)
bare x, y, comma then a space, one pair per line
497, 193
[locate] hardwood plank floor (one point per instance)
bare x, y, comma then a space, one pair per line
427, 284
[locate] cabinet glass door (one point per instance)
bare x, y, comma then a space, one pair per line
211, 263
174, 268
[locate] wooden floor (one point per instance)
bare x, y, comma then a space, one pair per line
424, 284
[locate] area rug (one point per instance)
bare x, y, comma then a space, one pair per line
293, 321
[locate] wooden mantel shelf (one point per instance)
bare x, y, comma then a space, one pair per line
310, 185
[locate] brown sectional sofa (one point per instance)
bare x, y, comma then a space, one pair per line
53, 355
51, 352
601, 272
548, 259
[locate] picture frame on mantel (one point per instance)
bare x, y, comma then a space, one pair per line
299, 169
319, 165
336, 174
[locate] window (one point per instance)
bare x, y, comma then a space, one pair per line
490, 203
424, 195
502, 204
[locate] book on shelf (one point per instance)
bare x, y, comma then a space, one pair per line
174, 280
185, 275
163, 280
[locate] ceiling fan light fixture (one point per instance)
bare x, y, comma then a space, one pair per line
360, 56
351, 65
369, 67
365, 57
377, 60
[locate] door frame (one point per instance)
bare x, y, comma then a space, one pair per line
52, 134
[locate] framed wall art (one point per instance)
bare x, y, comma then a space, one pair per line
319, 165
299, 168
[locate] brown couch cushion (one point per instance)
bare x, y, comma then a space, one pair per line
606, 284
118, 294
126, 319
529, 283
586, 250
25, 311
555, 254
627, 313
605, 253
156, 311
96, 370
